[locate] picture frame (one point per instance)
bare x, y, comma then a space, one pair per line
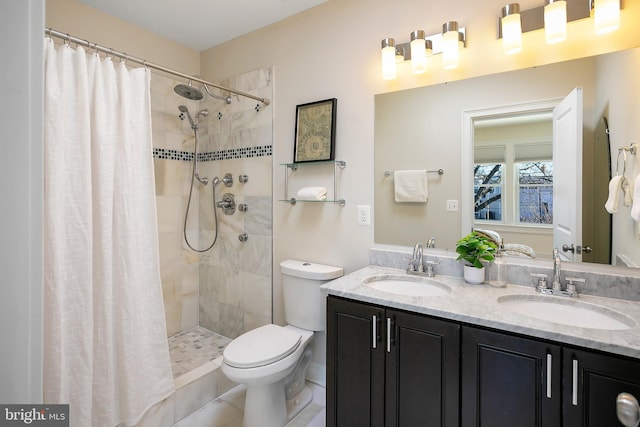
315, 131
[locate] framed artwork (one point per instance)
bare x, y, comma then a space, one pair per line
315, 131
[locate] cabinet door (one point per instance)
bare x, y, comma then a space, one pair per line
422, 371
509, 380
592, 382
355, 364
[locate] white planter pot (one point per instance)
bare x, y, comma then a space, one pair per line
473, 275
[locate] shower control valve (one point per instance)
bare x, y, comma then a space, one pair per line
227, 180
227, 204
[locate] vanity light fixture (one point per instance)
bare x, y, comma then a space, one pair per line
451, 40
399, 54
606, 14
511, 29
555, 21
418, 52
553, 17
388, 59
420, 48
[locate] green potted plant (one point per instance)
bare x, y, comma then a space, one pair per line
473, 249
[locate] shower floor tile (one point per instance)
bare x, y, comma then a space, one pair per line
193, 348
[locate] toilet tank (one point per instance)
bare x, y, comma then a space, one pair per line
305, 305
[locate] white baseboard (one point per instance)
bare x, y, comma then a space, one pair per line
317, 374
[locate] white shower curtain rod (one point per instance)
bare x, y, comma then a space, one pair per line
70, 39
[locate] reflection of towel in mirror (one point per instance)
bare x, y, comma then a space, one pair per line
635, 207
411, 186
312, 193
618, 183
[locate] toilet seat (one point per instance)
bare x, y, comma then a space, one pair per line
261, 346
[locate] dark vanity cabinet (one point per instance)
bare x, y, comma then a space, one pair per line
387, 367
509, 380
592, 381
390, 368
512, 380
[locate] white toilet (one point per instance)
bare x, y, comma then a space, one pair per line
272, 360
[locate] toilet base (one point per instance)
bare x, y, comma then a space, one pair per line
297, 403
265, 406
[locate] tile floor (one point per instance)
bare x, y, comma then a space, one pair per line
226, 411
193, 348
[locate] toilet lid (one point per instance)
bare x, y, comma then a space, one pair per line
261, 346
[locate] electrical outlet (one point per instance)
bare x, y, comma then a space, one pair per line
364, 215
452, 205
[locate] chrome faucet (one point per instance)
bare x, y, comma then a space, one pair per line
556, 286
555, 283
416, 262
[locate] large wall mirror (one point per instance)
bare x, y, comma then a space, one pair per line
468, 127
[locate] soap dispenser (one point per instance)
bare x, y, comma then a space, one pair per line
498, 271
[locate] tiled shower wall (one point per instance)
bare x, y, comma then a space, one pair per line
228, 288
178, 265
235, 276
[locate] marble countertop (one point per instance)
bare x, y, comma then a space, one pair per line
478, 305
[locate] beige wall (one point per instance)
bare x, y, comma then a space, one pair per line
85, 22
333, 50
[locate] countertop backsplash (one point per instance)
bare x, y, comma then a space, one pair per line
600, 280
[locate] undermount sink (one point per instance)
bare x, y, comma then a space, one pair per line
566, 311
407, 285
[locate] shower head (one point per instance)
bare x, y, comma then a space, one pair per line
188, 91
184, 111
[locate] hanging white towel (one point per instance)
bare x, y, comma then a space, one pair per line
627, 191
312, 193
614, 194
411, 186
635, 207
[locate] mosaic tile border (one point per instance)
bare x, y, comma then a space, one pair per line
233, 153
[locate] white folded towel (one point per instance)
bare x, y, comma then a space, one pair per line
312, 193
635, 207
411, 186
614, 194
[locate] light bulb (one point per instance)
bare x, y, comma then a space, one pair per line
388, 55
511, 29
606, 15
450, 45
555, 21
418, 52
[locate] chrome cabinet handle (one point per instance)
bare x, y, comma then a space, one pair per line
574, 392
388, 335
549, 370
375, 332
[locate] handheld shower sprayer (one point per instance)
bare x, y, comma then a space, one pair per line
184, 112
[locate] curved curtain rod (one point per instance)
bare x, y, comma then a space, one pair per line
70, 39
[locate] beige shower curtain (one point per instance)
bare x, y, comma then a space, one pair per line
106, 351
